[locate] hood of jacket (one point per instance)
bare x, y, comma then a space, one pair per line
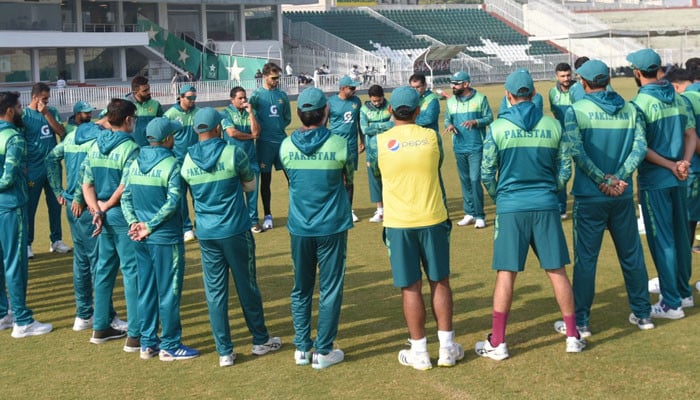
610, 102
108, 140
310, 140
694, 87
524, 114
86, 132
150, 156
661, 90
7, 125
372, 107
205, 154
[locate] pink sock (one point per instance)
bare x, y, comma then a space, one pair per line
498, 330
570, 322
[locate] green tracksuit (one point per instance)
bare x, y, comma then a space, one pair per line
374, 121
606, 136
344, 120
152, 195
429, 111
317, 163
692, 94
145, 112
184, 138
215, 171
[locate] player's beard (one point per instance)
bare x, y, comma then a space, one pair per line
638, 82
17, 120
458, 92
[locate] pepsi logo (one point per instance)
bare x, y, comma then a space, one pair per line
393, 145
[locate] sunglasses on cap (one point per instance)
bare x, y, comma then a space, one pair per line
352, 87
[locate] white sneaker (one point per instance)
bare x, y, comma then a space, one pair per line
321, 361
642, 323
417, 360
654, 286
377, 217
697, 286
189, 236
227, 360
563, 215
119, 324
661, 310
82, 324
355, 218
30, 253
485, 349
583, 331
467, 220
480, 223
302, 357
36, 328
267, 222
272, 344
6, 322
575, 345
59, 247
450, 355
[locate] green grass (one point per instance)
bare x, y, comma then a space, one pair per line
620, 362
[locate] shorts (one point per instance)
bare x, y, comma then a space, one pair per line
515, 233
268, 155
411, 247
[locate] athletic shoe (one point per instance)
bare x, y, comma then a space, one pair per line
181, 353
6, 322
227, 360
686, 302
450, 355
257, 228
574, 344
272, 344
267, 222
189, 236
696, 249
697, 286
321, 361
661, 310
642, 323
485, 349
480, 223
377, 217
583, 331
148, 352
355, 218
417, 360
59, 247
102, 336
132, 344
302, 357
654, 286
30, 253
467, 220
118, 324
36, 328
82, 324
563, 215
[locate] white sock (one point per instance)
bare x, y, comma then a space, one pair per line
419, 345
446, 338
380, 210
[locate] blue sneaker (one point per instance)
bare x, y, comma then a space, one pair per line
181, 353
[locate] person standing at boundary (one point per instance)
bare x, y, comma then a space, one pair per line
560, 100
671, 144
606, 137
147, 108
104, 167
271, 108
73, 149
183, 111
150, 203
344, 120
467, 115
319, 164
417, 227
41, 125
375, 119
429, 103
13, 213
524, 158
242, 128
218, 174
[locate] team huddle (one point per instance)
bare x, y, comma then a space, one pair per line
128, 173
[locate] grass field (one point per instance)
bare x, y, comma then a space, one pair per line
620, 362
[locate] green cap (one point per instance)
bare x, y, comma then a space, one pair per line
206, 120
404, 96
347, 81
82, 106
160, 128
187, 88
520, 84
460, 77
311, 99
594, 71
646, 60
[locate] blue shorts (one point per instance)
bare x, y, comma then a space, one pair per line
411, 247
268, 155
515, 233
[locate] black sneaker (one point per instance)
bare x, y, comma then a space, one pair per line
132, 344
102, 336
